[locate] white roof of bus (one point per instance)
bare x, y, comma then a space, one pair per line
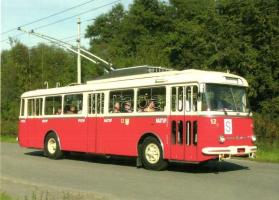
146, 80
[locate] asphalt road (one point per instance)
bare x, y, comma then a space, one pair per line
25, 172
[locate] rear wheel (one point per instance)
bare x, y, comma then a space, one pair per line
52, 147
152, 154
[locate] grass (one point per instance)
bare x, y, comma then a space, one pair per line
8, 138
267, 153
4, 196
47, 196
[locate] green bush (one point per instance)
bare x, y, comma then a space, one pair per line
9, 127
267, 122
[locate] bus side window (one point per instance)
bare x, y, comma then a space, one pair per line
39, 106
22, 107
121, 101
91, 103
195, 98
31, 107
53, 105
34, 107
100, 103
96, 103
177, 99
73, 104
173, 99
188, 99
180, 99
151, 99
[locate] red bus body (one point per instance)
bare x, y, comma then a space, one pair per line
121, 134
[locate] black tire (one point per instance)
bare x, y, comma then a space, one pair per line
51, 147
152, 161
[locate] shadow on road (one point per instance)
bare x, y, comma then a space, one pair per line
212, 166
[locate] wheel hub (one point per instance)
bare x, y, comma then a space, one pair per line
51, 145
152, 153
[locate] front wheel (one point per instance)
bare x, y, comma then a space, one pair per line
152, 155
52, 147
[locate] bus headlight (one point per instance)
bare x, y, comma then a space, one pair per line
254, 138
222, 139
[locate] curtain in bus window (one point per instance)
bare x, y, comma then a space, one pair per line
151, 99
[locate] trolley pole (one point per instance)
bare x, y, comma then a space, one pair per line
78, 49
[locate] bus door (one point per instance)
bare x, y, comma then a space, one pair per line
95, 111
191, 122
177, 150
183, 122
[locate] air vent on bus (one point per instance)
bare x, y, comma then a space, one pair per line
137, 70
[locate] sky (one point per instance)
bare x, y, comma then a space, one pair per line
15, 13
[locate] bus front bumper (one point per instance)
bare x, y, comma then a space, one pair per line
230, 150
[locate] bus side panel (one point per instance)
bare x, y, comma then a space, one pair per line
72, 132
114, 137
120, 135
23, 133
35, 128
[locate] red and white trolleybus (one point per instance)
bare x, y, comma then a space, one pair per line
189, 116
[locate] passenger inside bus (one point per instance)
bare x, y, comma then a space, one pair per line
128, 107
116, 108
73, 110
59, 111
150, 107
70, 109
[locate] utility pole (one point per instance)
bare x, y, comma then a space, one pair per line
78, 49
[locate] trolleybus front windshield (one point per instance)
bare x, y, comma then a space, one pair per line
225, 98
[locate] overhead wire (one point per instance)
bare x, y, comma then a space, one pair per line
64, 19
76, 15
49, 16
